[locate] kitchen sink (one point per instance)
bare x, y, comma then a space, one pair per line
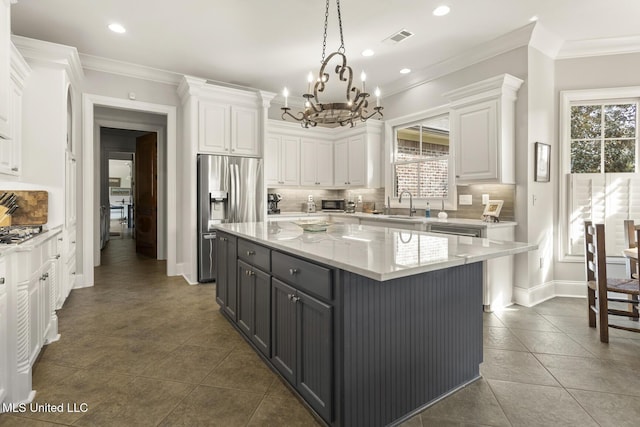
404, 217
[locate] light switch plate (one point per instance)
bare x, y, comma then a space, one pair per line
465, 199
485, 199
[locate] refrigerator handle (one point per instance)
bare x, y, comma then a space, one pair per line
233, 195
238, 192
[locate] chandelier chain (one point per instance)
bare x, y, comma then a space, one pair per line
324, 40
341, 49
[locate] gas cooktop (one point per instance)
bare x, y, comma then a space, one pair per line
18, 233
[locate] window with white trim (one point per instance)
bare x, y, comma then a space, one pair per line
603, 184
421, 158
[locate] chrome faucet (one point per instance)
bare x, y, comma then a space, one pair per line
411, 209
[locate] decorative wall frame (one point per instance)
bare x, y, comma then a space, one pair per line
543, 162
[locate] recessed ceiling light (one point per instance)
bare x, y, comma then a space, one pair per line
534, 18
405, 71
117, 28
367, 52
441, 10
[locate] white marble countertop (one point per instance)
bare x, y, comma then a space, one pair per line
399, 218
376, 252
6, 249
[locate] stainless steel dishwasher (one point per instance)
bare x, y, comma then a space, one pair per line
457, 229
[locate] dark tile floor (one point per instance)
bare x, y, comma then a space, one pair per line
140, 348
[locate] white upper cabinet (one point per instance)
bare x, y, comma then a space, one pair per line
316, 163
11, 149
214, 135
330, 158
483, 130
282, 160
357, 158
5, 52
223, 120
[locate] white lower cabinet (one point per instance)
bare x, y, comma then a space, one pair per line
4, 378
28, 319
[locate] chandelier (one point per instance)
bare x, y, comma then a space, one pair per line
355, 106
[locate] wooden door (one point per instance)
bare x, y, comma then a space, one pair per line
146, 195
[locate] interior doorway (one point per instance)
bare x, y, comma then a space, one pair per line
121, 196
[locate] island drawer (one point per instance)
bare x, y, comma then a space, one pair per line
302, 274
254, 254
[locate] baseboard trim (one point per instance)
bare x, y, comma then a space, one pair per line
79, 284
555, 288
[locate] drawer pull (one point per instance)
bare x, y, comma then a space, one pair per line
289, 297
249, 253
74, 242
293, 271
295, 299
15, 169
58, 256
223, 239
251, 273
1, 280
60, 239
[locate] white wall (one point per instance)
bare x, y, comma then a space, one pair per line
539, 213
593, 73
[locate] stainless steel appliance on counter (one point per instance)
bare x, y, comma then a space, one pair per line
333, 205
272, 203
229, 190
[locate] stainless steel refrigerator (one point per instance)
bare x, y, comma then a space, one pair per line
229, 190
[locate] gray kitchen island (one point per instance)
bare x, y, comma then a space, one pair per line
369, 325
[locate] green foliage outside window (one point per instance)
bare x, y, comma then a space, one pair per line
603, 138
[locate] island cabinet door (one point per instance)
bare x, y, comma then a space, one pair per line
283, 329
254, 305
246, 291
226, 287
315, 353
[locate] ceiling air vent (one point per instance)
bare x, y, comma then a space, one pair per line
399, 36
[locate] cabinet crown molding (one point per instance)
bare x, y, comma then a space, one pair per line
503, 84
51, 54
20, 70
220, 92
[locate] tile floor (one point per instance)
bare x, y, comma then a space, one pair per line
143, 349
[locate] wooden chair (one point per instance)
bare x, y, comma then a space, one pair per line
630, 241
598, 284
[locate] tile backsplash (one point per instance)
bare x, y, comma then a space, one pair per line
295, 200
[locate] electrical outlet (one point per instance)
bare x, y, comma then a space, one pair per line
465, 199
359, 199
310, 197
485, 199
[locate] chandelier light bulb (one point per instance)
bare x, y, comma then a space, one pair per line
377, 93
285, 93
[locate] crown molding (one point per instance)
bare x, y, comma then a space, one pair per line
50, 54
20, 70
482, 52
599, 47
128, 69
545, 41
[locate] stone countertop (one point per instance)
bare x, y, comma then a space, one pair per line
376, 252
27, 245
399, 218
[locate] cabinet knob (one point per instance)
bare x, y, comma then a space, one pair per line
251, 273
58, 256
15, 169
60, 239
457, 176
249, 253
233, 149
295, 299
1, 280
223, 239
293, 271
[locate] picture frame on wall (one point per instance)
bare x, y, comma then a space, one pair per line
543, 162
